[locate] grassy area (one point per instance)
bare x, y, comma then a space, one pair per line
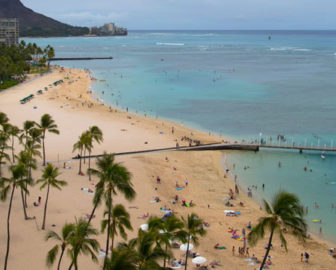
38, 70
6, 84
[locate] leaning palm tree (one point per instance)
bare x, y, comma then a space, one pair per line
193, 228
120, 220
63, 242
285, 211
167, 230
95, 135
112, 178
47, 124
122, 259
146, 249
27, 126
48, 179
17, 180
82, 242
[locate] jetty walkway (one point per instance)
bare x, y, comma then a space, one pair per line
225, 146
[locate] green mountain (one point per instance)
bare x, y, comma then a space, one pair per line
35, 24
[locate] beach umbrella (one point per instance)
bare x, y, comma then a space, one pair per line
144, 227
183, 247
198, 260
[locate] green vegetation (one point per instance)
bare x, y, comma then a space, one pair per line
285, 213
7, 84
21, 59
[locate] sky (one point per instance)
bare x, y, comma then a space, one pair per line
193, 14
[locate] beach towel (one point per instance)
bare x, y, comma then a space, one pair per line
179, 188
221, 248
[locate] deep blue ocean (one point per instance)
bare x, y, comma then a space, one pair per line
237, 84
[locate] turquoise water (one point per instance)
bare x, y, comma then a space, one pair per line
235, 83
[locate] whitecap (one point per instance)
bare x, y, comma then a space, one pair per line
169, 44
296, 49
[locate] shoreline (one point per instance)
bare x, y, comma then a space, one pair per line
74, 110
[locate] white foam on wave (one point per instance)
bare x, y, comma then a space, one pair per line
203, 35
169, 44
296, 49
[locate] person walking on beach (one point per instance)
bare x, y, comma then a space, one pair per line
307, 257
233, 250
186, 182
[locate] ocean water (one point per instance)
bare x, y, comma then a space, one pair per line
236, 84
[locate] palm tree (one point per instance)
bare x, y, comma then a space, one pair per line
47, 124
113, 177
122, 259
48, 179
14, 132
80, 145
120, 220
146, 250
95, 134
81, 242
63, 243
285, 211
27, 126
4, 138
3, 118
105, 166
24, 158
167, 230
193, 228
16, 180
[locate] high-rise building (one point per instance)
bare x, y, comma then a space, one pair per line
9, 31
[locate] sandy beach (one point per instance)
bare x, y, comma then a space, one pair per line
74, 110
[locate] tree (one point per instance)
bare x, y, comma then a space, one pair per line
193, 228
167, 230
113, 177
120, 220
47, 124
4, 138
80, 145
82, 242
95, 134
146, 250
122, 259
14, 132
48, 179
24, 158
3, 118
17, 180
63, 242
285, 211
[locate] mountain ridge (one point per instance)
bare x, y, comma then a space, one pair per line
35, 24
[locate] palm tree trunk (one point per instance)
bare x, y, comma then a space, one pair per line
29, 177
108, 228
164, 258
186, 259
60, 259
80, 163
92, 213
84, 155
13, 157
23, 205
45, 208
44, 155
70, 267
89, 165
267, 251
112, 236
8, 235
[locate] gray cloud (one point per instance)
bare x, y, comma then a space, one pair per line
193, 14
